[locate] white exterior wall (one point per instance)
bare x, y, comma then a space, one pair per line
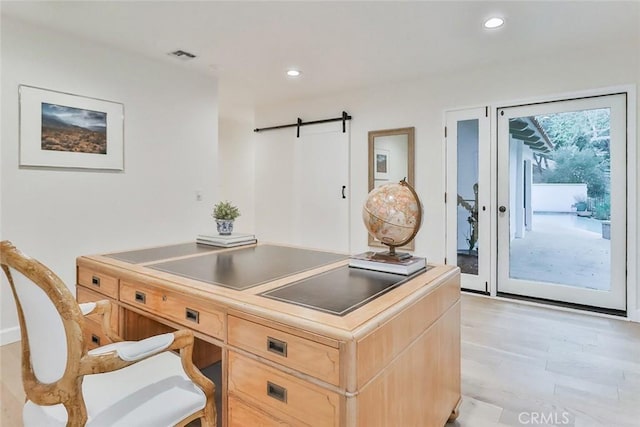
515, 150
557, 197
518, 183
170, 144
528, 182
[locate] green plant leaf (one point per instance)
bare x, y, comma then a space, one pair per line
225, 210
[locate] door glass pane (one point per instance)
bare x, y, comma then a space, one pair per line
467, 197
559, 196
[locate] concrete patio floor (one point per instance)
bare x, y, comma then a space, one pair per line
562, 248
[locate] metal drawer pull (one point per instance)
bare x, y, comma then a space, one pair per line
95, 339
192, 315
276, 346
95, 280
277, 392
141, 297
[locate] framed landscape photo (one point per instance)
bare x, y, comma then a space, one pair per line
62, 130
381, 164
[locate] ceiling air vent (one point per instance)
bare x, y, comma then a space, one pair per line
181, 54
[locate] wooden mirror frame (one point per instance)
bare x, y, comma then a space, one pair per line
410, 132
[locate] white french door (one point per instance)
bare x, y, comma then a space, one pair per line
562, 201
468, 195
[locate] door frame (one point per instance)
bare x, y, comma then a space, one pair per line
632, 285
481, 281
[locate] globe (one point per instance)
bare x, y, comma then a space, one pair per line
392, 214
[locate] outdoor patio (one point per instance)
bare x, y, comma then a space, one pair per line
563, 248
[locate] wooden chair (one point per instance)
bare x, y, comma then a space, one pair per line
140, 383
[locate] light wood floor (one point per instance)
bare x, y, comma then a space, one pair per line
521, 365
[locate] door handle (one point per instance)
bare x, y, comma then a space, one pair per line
140, 297
276, 346
344, 187
502, 209
192, 315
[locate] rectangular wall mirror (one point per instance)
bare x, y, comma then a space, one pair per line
391, 160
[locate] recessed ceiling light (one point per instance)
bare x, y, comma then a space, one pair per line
494, 22
293, 73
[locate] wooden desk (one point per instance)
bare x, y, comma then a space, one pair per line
394, 361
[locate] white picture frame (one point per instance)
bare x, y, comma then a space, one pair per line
63, 130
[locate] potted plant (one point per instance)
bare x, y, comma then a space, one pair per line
582, 206
225, 213
581, 203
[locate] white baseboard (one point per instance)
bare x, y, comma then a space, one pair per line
634, 317
9, 335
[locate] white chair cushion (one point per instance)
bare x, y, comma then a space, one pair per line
140, 349
44, 327
87, 307
108, 348
135, 350
154, 392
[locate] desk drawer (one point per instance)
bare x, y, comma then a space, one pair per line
98, 282
243, 415
267, 387
94, 335
301, 354
85, 295
187, 311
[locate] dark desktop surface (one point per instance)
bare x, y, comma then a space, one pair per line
244, 268
339, 291
163, 252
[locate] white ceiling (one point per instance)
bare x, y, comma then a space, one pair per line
337, 45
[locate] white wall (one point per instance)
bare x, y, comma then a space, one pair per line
557, 197
236, 170
421, 103
170, 140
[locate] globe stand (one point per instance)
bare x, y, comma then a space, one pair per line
392, 255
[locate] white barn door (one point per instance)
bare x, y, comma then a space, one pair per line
302, 187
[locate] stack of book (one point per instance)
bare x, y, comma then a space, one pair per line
368, 261
230, 241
